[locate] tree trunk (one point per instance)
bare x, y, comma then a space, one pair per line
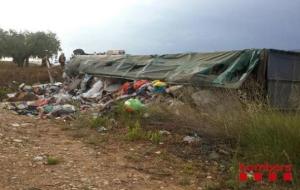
26, 61
44, 62
19, 61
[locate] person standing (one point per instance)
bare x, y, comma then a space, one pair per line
62, 60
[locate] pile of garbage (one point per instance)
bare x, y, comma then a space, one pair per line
84, 93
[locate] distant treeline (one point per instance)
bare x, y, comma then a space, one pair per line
20, 46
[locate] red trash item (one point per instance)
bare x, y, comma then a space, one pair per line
125, 87
41, 102
139, 83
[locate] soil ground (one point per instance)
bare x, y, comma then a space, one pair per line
101, 161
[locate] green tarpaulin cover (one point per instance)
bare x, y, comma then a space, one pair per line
221, 69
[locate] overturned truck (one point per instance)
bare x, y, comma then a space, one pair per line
276, 71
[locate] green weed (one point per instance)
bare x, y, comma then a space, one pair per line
154, 137
3, 92
98, 122
52, 161
184, 181
135, 132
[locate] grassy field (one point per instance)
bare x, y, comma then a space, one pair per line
264, 135
11, 76
10, 72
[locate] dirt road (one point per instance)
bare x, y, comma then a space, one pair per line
26, 143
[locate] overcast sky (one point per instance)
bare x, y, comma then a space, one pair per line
159, 26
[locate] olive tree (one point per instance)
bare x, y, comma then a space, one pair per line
23, 45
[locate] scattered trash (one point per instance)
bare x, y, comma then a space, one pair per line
133, 105
85, 83
21, 86
139, 83
17, 140
213, 156
26, 124
59, 110
101, 129
174, 89
146, 115
191, 139
84, 92
222, 151
23, 96
15, 125
164, 132
27, 88
95, 91
159, 86
112, 88
38, 158
11, 95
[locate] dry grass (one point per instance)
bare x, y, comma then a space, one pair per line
258, 133
10, 72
